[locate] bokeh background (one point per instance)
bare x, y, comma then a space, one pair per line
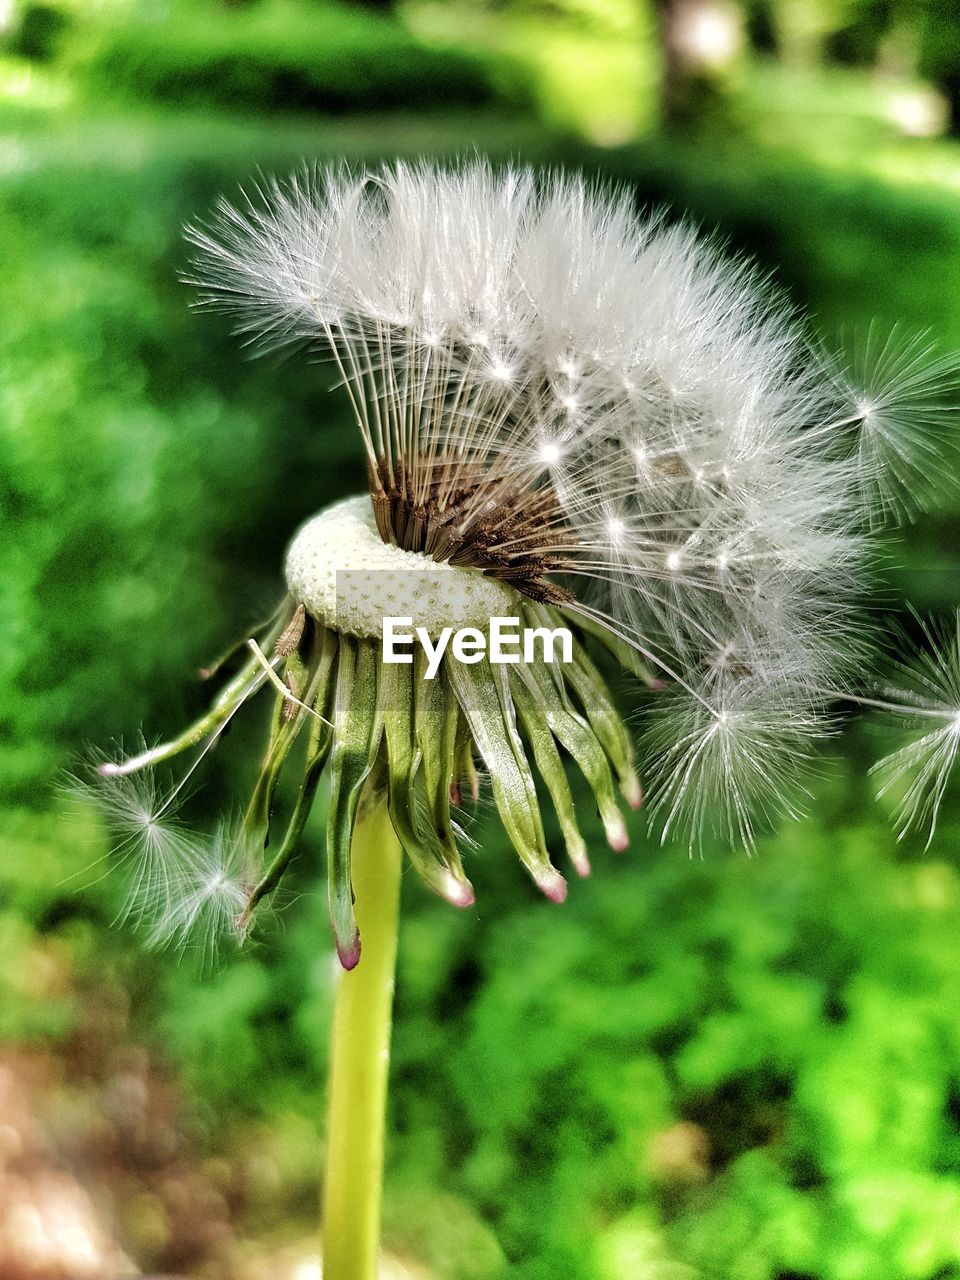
696, 1068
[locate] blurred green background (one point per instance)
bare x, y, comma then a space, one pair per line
716, 1068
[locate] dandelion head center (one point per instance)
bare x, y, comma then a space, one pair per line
463, 512
344, 574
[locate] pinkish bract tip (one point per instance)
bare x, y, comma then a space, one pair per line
458, 892
617, 837
108, 769
633, 792
553, 886
349, 955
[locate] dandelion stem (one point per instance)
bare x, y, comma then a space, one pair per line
359, 1058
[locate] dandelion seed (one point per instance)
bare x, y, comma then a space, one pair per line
155, 848
731, 758
212, 896
900, 396
926, 702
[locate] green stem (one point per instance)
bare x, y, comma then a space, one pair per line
359, 1056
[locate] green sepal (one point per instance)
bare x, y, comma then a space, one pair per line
243, 686
436, 719
318, 748
577, 735
403, 765
296, 675
358, 728
484, 695
464, 766
284, 731
606, 722
551, 769
600, 710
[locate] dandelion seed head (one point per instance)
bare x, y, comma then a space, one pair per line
609, 414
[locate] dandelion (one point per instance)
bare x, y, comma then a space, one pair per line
581, 419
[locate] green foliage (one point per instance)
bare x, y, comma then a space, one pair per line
799, 1010
130, 441
286, 57
37, 31
939, 39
